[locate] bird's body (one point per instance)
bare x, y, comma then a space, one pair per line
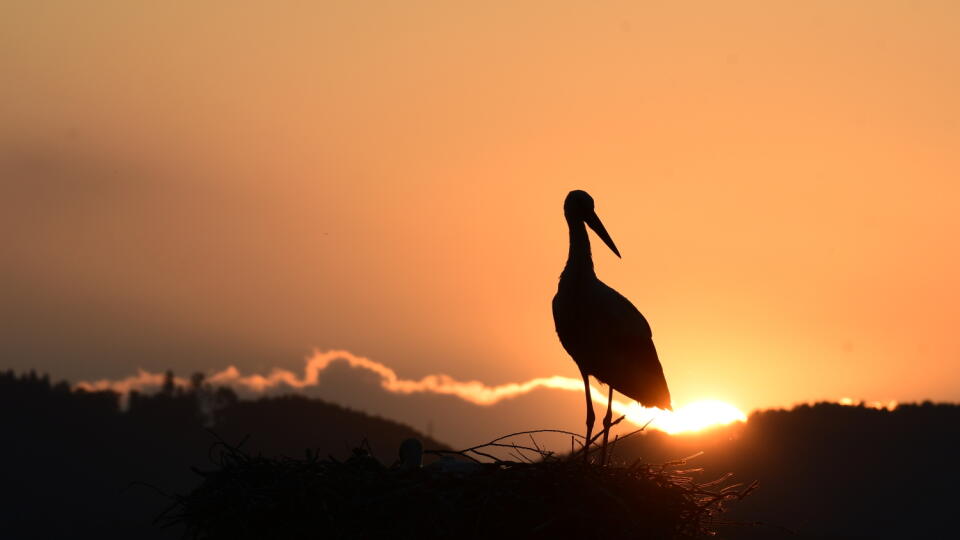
610, 339
602, 331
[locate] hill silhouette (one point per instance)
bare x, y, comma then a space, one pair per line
831, 471
825, 471
69, 456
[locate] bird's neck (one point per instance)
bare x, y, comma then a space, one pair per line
579, 260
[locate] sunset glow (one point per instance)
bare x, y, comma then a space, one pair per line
389, 181
695, 416
577, 242
879, 405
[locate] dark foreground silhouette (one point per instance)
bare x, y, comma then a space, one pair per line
833, 471
534, 494
67, 459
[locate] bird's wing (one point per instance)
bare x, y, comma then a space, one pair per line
630, 362
620, 314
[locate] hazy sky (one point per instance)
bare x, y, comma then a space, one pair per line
192, 185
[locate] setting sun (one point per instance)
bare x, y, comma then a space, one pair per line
691, 417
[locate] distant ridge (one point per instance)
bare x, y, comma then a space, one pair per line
825, 470
69, 456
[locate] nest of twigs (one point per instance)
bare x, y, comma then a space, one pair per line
466, 494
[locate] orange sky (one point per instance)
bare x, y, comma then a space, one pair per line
191, 187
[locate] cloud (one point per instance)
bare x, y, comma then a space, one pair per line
474, 392
691, 417
143, 380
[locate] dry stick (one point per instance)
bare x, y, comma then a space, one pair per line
573, 436
221, 442
632, 433
681, 461
535, 450
498, 439
455, 452
534, 442
597, 436
492, 458
519, 454
514, 446
613, 445
494, 442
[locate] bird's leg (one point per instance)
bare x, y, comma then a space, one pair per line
607, 421
591, 417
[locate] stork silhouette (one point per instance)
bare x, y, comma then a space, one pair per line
601, 330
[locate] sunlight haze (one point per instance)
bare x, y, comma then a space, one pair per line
194, 187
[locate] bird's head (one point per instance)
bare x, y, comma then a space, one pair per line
578, 207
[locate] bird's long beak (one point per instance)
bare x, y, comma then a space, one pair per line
594, 222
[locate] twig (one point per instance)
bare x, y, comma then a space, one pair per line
495, 443
597, 436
